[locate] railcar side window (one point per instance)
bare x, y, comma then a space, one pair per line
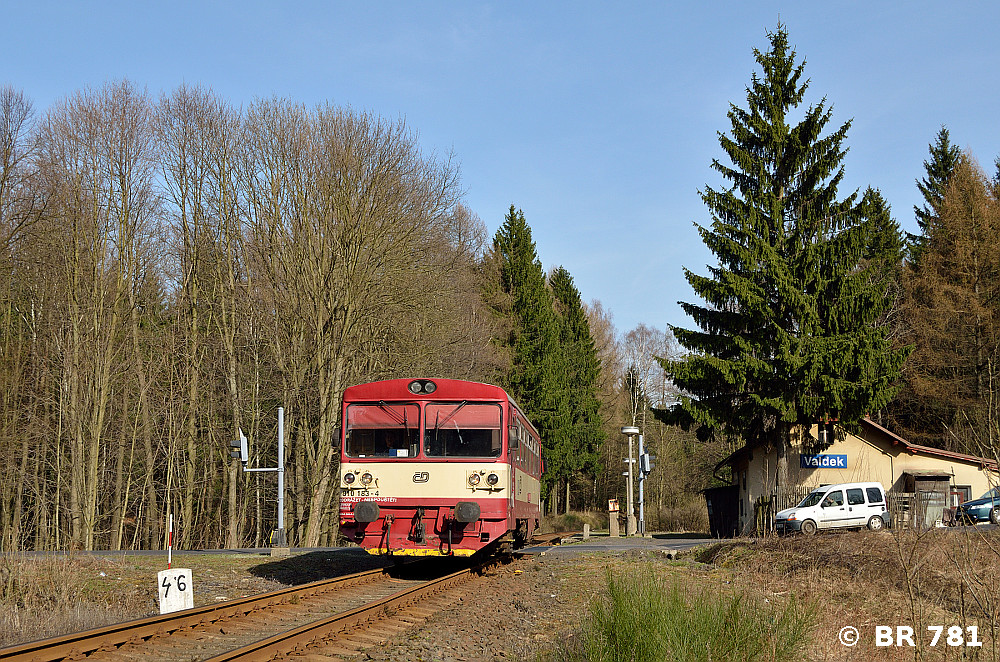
382, 430
462, 429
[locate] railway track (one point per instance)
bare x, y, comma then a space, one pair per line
333, 616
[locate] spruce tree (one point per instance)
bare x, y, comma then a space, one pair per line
886, 248
533, 342
581, 370
788, 335
939, 170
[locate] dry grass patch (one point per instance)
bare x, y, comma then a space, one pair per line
862, 579
46, 596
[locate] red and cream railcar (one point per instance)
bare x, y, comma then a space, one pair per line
437, 467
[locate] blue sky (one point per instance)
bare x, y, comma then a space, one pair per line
597, 119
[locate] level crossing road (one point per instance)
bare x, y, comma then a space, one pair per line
575, 544
662, 542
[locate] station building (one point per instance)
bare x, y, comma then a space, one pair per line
924, 484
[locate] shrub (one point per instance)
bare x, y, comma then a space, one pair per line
50, 595
642, 618
574, 521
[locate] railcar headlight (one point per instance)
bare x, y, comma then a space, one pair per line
418, 386
366, 478
348, 479
492, 479
473, 479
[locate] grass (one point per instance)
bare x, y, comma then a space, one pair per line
45, 596
573, 521
645, 616
687, 517
42, 597
898, 578
48, 595
753, 599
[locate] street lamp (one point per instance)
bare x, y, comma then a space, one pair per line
630, 526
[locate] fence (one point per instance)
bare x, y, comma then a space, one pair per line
765, 508
906, 509
922, 510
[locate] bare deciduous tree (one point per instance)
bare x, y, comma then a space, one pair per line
20, 206
96, 153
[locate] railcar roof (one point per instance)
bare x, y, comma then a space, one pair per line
446, 389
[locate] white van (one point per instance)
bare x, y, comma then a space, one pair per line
837, 506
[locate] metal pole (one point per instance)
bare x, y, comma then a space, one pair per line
170, 539
280, 542
631, 507
642, 498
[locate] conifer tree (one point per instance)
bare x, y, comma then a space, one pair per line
788, 335
886, 248
581, 371
953, 319
939, 170
534, 377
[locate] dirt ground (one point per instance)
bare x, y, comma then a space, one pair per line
852, 579
525, 609
515, 611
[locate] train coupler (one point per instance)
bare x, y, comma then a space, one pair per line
417, 528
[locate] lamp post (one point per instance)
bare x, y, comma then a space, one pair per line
630, 525
642, 494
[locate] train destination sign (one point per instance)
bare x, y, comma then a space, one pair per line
823, 461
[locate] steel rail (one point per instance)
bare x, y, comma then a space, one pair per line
315, 634
80, 644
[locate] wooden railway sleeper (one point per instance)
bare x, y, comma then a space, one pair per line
337, 627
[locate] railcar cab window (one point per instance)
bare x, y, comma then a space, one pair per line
382, 430
462, 429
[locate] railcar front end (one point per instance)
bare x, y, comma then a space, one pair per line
436, 467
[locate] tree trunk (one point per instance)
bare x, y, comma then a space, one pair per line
118, 497
782, 442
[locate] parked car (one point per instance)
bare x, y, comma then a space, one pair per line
985, 508
837, 506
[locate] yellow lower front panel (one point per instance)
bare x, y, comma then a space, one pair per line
422, 552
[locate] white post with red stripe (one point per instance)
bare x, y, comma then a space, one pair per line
170, 539
175, 585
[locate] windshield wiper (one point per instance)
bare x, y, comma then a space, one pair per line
438, 423
394, 415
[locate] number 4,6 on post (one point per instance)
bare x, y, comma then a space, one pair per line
176, 591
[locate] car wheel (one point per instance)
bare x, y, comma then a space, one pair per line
875, 523
995, 515
808, 527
